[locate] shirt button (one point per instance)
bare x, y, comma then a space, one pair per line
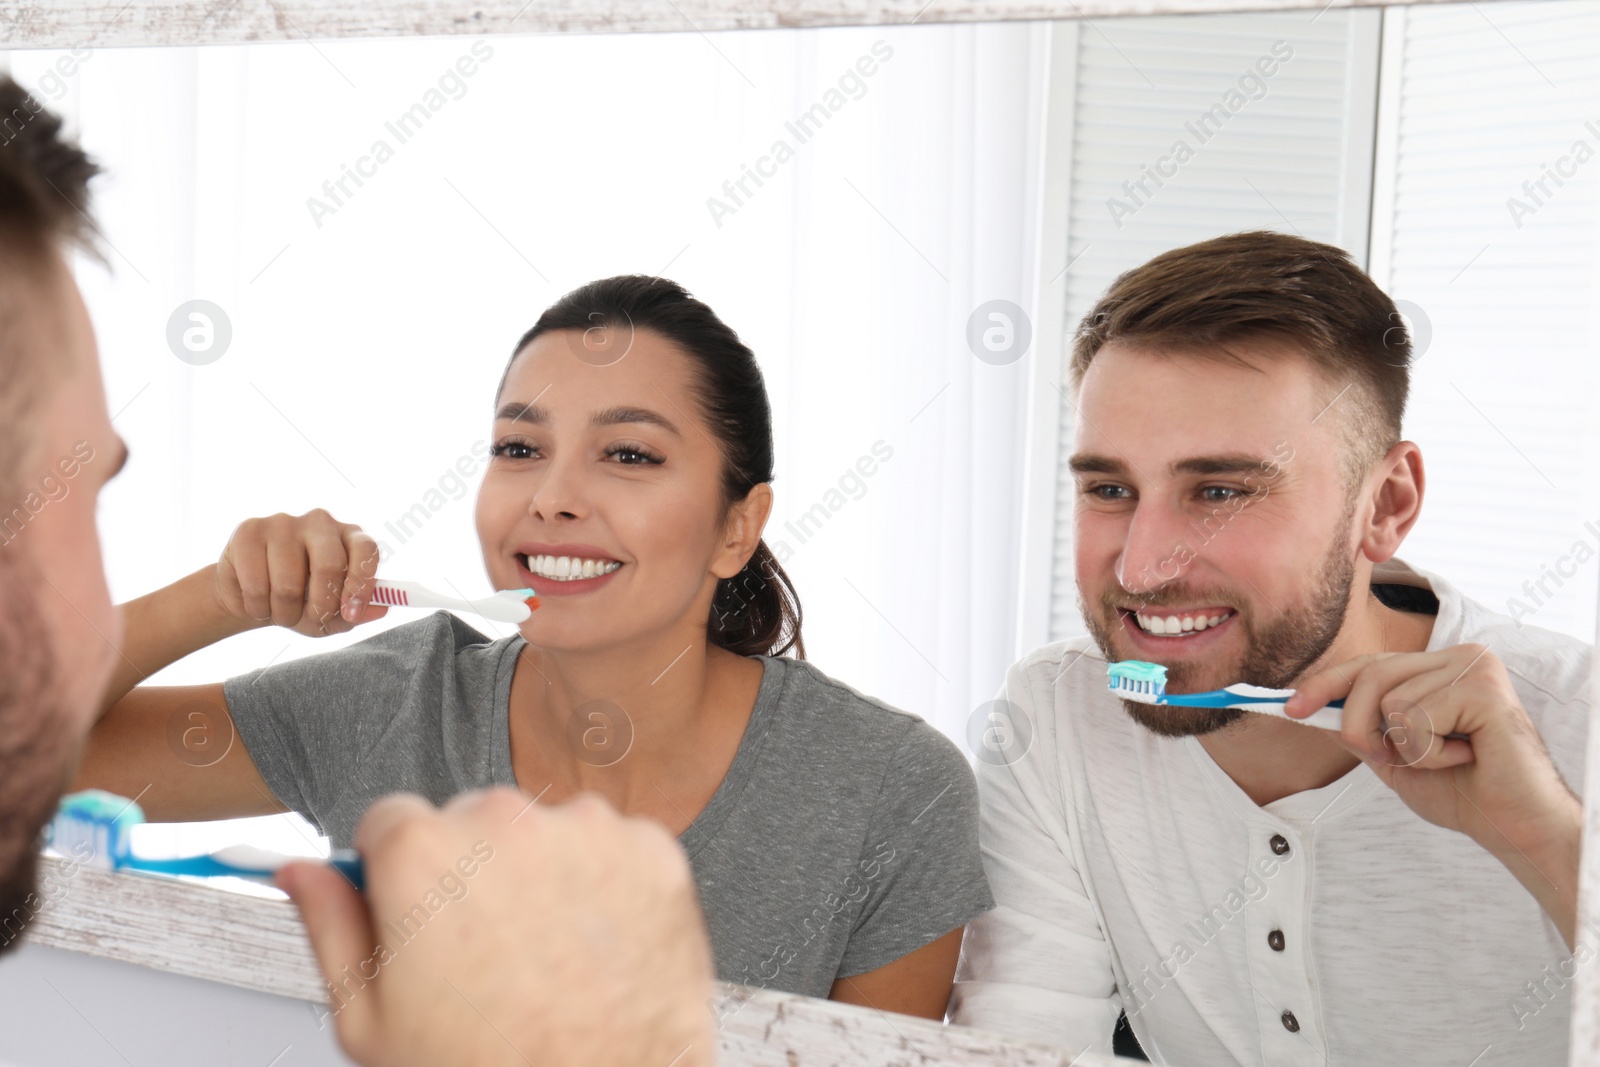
1275, 939
1279, 844
1290, 1023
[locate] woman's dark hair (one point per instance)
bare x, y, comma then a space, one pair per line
757, 611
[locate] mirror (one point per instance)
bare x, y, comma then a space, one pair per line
324, 251
376, 222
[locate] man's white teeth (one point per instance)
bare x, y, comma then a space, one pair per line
1175, 624
569, 568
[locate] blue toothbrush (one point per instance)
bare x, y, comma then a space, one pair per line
1134, 679
95, 827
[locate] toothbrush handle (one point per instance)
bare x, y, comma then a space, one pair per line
347, 861
413, 595
1329, 717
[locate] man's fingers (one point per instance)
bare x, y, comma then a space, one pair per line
1448, 752
1400, 710
386, 822
339, 926
1326, 686
1416, 714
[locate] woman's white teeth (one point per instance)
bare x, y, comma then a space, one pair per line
1175, 624
570, 568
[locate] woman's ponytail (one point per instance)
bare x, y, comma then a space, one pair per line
757, 612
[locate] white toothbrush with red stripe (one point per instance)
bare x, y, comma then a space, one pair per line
508, 605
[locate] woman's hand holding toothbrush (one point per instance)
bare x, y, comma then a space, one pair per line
308, 573
301, 572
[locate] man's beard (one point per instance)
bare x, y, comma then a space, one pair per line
36, 749
1277, 651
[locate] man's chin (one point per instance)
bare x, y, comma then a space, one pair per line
1166, 720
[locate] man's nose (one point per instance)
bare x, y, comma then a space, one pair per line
1154, 551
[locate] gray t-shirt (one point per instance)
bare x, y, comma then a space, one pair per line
844, 835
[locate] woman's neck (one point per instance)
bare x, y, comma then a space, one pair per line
653, 727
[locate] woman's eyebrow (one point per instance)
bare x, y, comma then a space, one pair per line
619, 415
523, 413
614, 416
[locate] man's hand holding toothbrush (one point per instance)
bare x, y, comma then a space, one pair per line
570, 936
1494, 781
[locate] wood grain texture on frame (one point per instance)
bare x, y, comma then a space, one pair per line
117, 23
259, 943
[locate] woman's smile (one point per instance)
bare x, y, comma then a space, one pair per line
564, 569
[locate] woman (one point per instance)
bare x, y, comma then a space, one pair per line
833, 839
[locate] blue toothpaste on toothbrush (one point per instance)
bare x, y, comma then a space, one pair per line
95, 827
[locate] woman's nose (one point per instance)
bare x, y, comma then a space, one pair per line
559, 494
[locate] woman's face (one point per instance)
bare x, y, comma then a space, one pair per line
604, 494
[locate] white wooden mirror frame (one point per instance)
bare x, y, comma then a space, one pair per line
257, 943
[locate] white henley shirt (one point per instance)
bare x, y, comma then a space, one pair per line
1333, 926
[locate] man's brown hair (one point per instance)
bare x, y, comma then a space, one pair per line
1203, 299
44, 208
44, 179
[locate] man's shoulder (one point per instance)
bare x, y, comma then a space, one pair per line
1553, 666
1062, 686
1058, 658
1549, 671
1556, 664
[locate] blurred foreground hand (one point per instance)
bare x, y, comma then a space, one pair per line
498, 931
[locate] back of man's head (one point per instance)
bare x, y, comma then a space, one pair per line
50, 675
44, 208
1209, 299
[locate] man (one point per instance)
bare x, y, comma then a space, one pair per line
581, 942
1249, 889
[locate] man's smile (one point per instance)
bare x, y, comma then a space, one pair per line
1161, 632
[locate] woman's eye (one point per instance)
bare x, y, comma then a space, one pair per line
512, 450
632, 455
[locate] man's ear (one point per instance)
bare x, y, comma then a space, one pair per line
746, 519
1394, 497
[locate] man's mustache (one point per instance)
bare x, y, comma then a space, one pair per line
1113, 602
